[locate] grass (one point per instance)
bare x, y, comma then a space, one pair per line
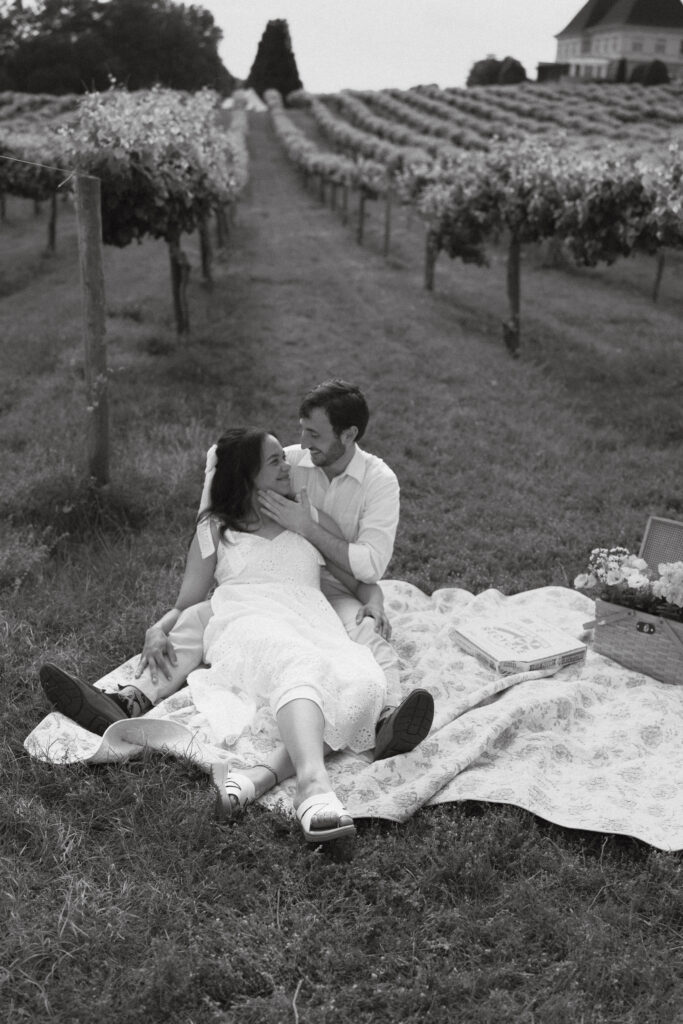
121, 898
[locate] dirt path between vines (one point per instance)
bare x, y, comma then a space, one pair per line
303, 298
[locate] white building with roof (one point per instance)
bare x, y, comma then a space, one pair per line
604, 32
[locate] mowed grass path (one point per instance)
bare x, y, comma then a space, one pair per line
122, 898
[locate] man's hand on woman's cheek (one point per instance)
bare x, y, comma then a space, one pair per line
292, 515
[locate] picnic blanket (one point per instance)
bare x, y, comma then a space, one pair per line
593, 747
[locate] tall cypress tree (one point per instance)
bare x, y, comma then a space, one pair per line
274, 66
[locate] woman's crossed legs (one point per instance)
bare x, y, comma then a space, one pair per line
301, 724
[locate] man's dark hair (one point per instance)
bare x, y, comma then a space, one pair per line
344, 404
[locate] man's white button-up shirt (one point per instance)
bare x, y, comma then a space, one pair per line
363, 501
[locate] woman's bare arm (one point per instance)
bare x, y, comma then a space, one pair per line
157, 652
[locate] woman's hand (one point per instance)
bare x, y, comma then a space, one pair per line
375, 611
158, 654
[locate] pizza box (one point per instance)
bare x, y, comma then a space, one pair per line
517, 642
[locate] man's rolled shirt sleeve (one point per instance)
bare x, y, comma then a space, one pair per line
363, 501
371, 551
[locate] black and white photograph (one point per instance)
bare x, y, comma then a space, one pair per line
341, 511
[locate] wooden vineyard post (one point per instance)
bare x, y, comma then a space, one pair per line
387, 222
3, 207
221, 227
333, 195
180, 276
511, 328
206, 251
431, 252
89, 220
345, 204
52, 224
361, 216
661, 260
227, 215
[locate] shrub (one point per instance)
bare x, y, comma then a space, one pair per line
653, 73
484, 72
511, 72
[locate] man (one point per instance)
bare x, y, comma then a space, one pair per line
360, 494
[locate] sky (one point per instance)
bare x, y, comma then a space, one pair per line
376, 44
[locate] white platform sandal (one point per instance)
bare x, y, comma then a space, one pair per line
234, 792
327, 804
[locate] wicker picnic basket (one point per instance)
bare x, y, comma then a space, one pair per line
638, 640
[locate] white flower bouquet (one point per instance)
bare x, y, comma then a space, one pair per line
619, 577
639, 613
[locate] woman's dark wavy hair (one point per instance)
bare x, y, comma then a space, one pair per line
238, 460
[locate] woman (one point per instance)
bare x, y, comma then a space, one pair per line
280, 659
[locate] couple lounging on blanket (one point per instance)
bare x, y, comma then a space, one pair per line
280, 662
596, 747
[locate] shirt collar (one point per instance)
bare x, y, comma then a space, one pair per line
355, 468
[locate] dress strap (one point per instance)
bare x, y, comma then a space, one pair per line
207, 546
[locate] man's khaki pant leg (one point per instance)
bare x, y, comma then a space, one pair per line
187, 637
365, 633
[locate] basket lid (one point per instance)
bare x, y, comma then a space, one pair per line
662, 541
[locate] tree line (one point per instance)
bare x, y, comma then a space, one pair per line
76, 46
510, 71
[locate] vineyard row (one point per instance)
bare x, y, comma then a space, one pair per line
163, 162
599, 207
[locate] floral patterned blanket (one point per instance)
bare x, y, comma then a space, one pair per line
593, 746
